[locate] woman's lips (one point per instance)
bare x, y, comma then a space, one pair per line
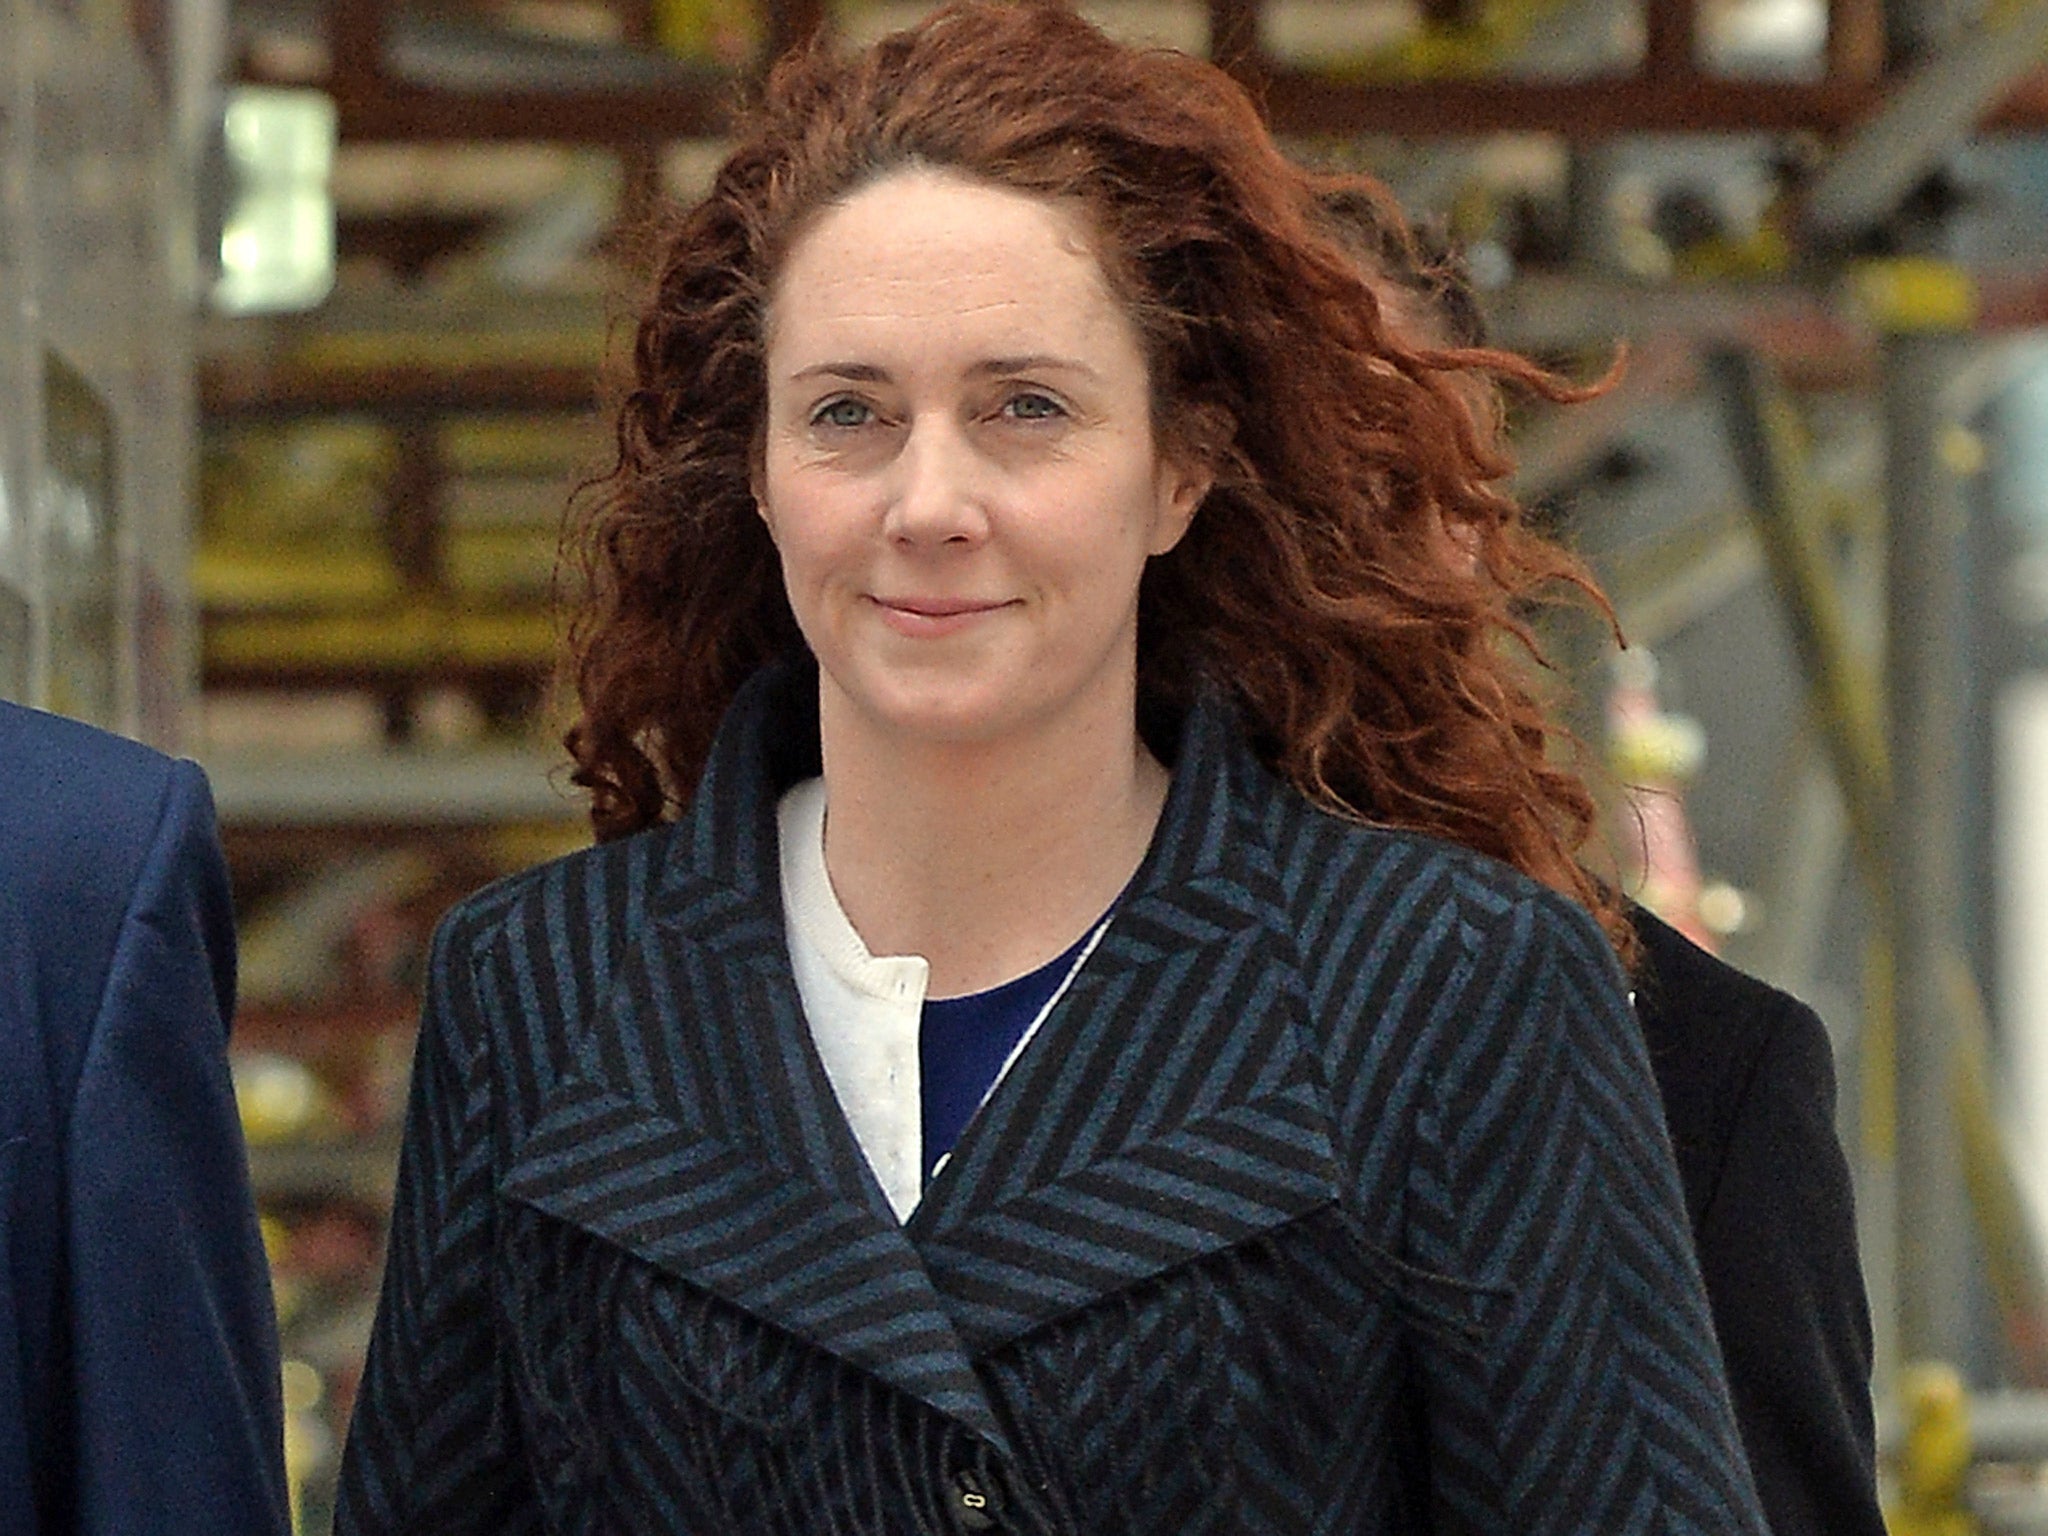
929, 617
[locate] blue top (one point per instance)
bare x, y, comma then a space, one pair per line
962, 1043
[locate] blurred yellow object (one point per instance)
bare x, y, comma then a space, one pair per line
280, 1099
261, 577
516, 845
275, 1238
1963, 450
1482, 43
420, 632
1914, 294
1451, 52
1663, 749
716, 31
1934, 1459
289, 1297
303, 1387
1764, 252
308, 1444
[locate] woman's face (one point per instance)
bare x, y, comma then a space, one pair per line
959, 468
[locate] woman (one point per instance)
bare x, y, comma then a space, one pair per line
1059, 1073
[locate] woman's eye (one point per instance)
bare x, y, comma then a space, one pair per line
841, 413
1032, 406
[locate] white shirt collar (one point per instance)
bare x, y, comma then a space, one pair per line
864, 1009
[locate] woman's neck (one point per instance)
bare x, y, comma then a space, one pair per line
986, 860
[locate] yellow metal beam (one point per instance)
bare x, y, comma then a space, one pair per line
1843, 689
418, 635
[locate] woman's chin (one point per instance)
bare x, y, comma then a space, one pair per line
934, 711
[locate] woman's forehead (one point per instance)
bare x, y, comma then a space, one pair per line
923, 257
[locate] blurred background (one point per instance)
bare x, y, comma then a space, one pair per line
305, 307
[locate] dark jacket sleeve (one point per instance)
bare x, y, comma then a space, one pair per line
1778, 1246
432, 1448
173, 1347
1747, 1075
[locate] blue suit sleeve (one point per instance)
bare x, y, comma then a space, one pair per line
174, 1354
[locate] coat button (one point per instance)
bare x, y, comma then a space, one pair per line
977, 1502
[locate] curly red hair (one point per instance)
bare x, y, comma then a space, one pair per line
1383, 679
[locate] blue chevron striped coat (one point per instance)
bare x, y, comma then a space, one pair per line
1333, 1199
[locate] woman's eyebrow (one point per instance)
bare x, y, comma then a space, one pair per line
1030, 363
989, 367
858, 373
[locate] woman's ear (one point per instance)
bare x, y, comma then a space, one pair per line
1182, 487
767, 522
1187, 470
757, 478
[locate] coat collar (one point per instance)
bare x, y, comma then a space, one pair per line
1167, 1109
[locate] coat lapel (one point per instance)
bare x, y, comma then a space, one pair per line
1168, 1108
698, 1129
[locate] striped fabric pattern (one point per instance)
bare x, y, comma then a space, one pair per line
1333, 1198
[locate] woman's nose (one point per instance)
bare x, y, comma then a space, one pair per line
939, 489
